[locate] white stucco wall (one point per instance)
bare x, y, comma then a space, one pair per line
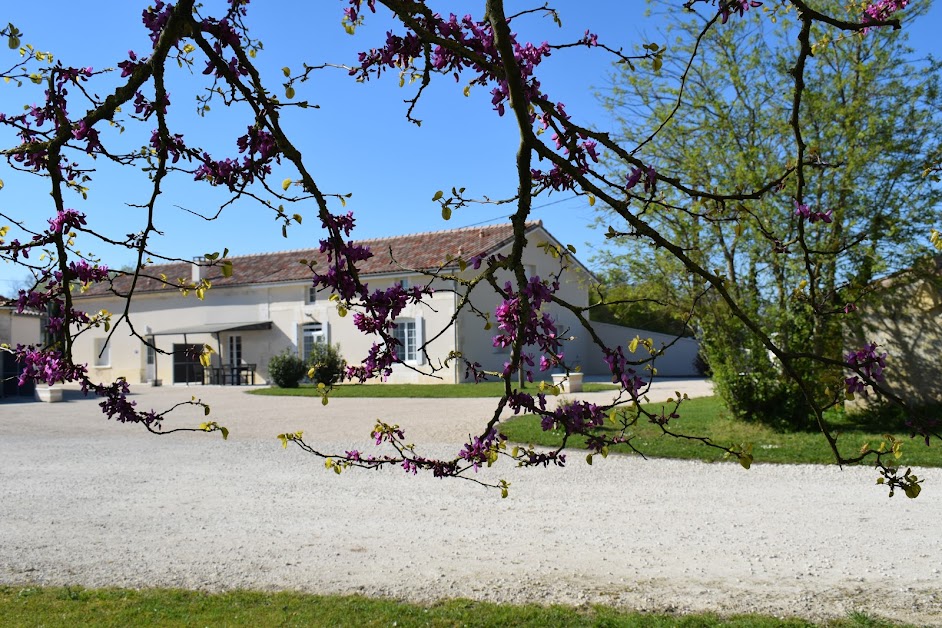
19, 328
476, 343
678, 360
282, 304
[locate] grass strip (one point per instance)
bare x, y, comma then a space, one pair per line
77, 606
708, 416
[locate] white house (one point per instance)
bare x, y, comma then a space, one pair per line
268, 306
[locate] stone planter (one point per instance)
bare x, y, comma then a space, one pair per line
48, 394
571, 383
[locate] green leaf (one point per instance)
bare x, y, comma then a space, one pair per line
588, 459
289, 92
13, 42
225, 433
438, 195
446, 212
324, 400
286, 184
745, 460
205, 410
286, 70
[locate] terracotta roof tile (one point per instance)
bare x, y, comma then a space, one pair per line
421, 251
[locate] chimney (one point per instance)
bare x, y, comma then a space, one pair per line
196, 270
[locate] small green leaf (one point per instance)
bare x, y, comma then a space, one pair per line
13, 42
446, 212
438, 195
745, 460
286, 184
324, 400
286, 70
503, 493
289, 92
225, 433
205, 410
588, 459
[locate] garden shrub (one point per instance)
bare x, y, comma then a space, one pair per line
286, 370
327, 363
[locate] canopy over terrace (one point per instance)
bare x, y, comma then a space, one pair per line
220, 373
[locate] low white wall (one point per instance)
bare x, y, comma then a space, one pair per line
677, 361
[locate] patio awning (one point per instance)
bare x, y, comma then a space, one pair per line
213, 328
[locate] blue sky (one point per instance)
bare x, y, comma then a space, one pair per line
357, 141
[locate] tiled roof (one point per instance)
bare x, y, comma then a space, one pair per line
420, 251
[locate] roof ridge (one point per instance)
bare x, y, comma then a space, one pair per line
530, 223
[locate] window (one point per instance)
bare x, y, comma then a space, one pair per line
102, 352
529, 270
405, 284
310, 334
408, 332
311, 296
404, 332
235, 350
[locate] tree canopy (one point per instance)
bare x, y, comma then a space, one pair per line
801, 256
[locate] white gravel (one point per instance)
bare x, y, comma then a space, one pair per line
85, 501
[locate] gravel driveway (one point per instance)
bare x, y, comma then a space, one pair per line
86, 501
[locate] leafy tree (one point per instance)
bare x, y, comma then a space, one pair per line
641, 304
79, 113
864, 126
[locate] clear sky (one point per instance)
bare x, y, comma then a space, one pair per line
357, 141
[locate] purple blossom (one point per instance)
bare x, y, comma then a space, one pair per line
65, 220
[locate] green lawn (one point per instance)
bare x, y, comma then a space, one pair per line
708, 417
424, 391
75, 606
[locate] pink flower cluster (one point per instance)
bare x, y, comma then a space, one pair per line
867, 361
805, 212
883, 10
729, 7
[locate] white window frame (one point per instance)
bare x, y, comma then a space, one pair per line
317, 332
416, 355
102, 353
